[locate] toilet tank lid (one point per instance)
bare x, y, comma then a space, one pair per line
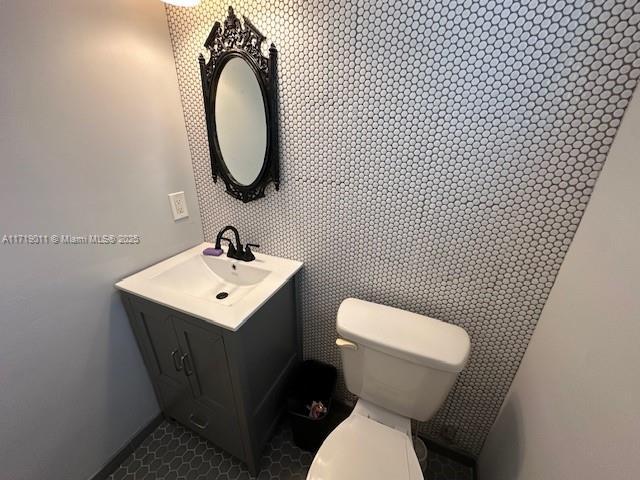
416, 338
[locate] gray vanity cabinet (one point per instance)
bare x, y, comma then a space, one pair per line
227, 386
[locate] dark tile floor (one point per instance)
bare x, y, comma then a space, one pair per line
440, 467
172, 452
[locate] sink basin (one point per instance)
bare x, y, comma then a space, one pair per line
220, 290
212, 278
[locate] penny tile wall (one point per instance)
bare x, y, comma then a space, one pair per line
436, 156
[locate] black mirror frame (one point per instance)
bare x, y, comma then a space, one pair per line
238, 41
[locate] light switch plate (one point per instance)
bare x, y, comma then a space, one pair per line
178, 205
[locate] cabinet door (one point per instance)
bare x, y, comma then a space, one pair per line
153, 325
205, 364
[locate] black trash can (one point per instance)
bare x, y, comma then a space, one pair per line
311, 381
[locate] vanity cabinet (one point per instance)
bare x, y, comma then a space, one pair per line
227, 386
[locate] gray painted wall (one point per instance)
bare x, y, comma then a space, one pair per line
91, 139
436, 156
573, 409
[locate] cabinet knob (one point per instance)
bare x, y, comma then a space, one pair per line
176, 363
201, 425
185, 361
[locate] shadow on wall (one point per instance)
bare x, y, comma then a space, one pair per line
509, 426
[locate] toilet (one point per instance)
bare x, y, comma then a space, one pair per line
401, 365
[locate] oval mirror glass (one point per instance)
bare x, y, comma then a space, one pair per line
241, 121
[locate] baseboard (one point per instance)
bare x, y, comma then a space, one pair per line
452, 454
127, 449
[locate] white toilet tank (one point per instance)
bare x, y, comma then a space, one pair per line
401, 361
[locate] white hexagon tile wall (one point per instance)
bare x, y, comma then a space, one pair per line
436, 156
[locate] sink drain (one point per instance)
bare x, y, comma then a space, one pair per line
222, 295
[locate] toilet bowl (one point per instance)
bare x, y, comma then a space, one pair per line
401, 365
364, 448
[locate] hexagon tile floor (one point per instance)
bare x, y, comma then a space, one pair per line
172, 452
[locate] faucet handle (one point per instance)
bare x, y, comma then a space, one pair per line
248, 254
231, 251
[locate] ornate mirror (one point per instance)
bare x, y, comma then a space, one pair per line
239, 90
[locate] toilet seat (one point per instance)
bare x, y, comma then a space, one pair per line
363, 449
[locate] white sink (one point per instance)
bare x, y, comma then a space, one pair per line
207, 277
220, 290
